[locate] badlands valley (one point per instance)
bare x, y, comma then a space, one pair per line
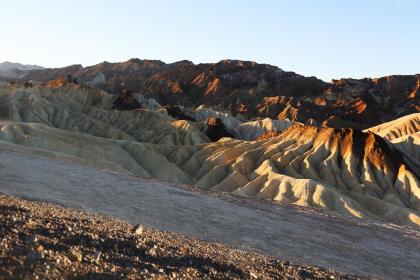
323, 175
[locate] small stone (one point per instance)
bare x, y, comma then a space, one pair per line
76, 256
138, 229
183, 251
98, 257
253, 275
39, 248
66, 260
152, 252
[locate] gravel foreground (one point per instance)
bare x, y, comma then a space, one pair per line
45, 241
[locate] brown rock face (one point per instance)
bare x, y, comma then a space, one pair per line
126, 101
215, 129
253, 89
232, 84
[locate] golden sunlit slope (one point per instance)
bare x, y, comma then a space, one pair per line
343, 170
403, 126
404, 133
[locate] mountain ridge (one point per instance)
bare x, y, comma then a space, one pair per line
252, 89
12, 70
6, 65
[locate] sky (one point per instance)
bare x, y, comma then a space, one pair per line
326, 39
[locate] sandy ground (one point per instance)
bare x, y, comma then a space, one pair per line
45, 241
294, 234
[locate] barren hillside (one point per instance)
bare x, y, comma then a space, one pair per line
345, 170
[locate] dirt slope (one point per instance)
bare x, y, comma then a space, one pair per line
51, 242
296, 234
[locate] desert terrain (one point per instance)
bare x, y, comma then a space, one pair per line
323, 175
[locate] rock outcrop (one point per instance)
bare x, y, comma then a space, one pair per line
215, 129
126, 101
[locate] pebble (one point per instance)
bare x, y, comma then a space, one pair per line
138, 229
76, 256
39, 248
98, 257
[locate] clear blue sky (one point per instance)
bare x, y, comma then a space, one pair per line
327, 39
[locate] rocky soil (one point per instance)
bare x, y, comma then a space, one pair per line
44, 241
